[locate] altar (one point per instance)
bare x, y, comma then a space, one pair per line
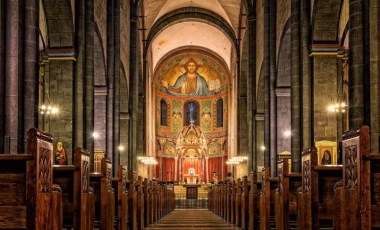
191, 178
192, 191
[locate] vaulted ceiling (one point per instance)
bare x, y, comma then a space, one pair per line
189, 29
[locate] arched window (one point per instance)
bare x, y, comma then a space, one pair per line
219, 113
164, 113
192, 112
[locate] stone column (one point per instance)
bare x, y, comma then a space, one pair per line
374, 41
133, 86
306, 129
13, 76
357, 113
267, 127
89, 79
80, 74
295, 87
2, 72
116, 118
251, 87
273, 84
110, 79
31, 67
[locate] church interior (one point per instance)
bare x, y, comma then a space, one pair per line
129, 114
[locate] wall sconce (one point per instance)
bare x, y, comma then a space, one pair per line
147, 160
236, 160
48, 110
337, 108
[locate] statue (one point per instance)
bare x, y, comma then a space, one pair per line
60, 155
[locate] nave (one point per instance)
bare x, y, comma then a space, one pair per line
185, 219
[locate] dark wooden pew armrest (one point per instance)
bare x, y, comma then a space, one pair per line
65, 168
328, 167
293, 175
372, 156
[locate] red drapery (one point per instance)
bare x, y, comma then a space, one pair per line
165, 168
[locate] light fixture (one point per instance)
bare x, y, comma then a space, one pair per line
121, 148
48, 109
236, 160
337, 108
262, 147
287, 133
147, 160
95, 135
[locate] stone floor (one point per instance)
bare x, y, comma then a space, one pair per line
192, 219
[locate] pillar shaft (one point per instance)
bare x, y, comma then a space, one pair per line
80, 75
273, 84
267, 101
356, 65
116, 130
31, 67
133, 88
110, 78
295, 87
13, 76
89, 86
2, 72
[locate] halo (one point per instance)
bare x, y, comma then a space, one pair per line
183, 62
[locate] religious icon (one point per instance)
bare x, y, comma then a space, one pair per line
60, 155
191, 83
326, 159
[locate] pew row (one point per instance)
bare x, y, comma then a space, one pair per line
359, 192
28, 198
78, 196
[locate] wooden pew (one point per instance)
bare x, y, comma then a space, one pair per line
266, 198
253, 202
360, 205
245, 202
132, 201
77, 195
28, 198
286, 195
121, 194
105, 196
317, 195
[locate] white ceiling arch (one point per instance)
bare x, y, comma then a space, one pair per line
227, 9
191, 33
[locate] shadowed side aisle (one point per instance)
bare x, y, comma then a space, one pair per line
192, 219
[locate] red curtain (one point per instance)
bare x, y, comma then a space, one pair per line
165, 169
217, 165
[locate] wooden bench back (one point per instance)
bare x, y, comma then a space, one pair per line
309, 193
28, 199
356, 179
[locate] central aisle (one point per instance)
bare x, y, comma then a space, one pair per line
192, 219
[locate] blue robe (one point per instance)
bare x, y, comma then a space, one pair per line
200, 90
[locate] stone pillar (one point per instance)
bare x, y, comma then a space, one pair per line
80, 74
110, 79
374, 34
273, 84
295, 90
133, 86
13, 76
2, 72
357, 113
116, 118
251, 87
31, 67
89, 79
267, 101
306, 133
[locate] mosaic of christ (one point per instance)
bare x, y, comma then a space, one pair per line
191, 76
